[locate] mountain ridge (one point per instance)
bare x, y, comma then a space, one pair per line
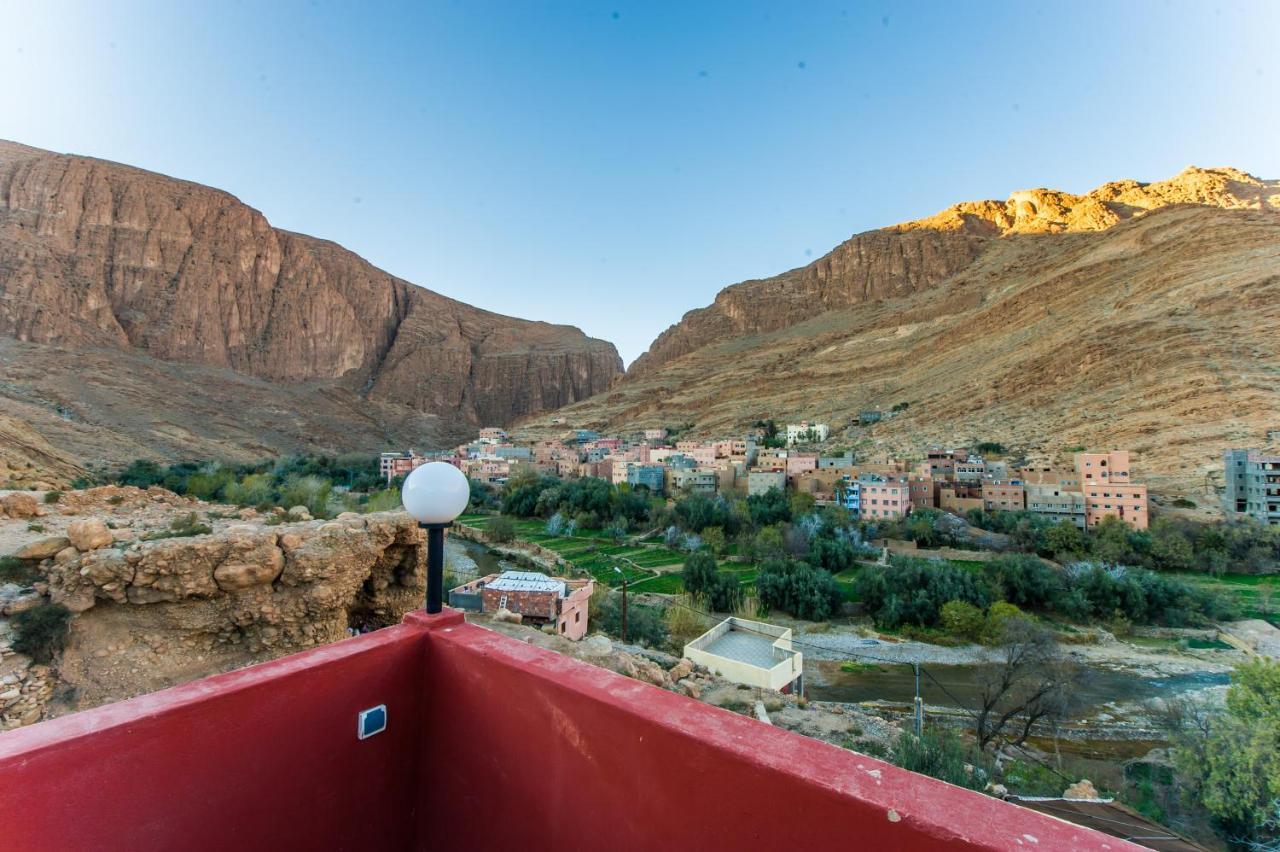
95, 254
1158, 331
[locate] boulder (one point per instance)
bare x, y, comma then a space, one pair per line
595, 646
300, 513
88, 534
1082, 789
681, 670
691, 689
42, 548
19, 505
507, 616
650, 672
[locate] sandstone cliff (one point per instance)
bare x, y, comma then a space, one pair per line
1136, 316
151, 612
96, 255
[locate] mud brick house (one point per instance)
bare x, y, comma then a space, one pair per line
538, 598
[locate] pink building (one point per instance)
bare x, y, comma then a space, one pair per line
1108, 491
885, 499
798, 463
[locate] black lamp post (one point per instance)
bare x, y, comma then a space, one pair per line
434, 494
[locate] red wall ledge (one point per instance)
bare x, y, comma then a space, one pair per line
490, 744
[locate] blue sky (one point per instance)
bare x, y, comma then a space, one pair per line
612, 165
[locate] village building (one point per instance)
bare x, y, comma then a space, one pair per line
764, 481
538, 599
751, 653
1253, 485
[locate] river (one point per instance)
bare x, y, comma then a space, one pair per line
467, 560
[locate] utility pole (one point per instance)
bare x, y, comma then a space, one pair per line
919, 720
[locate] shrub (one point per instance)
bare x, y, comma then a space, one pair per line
14, 570
725, 593
683, 624
501, 529
940, 754
1026, 581
383, 501
913, 591
35, 527
998, 618
699, 573
962, 619
41, 632
798, 588
645, 624
180, 527
51, 497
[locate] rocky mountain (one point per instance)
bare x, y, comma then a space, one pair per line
1137, 315
97, 257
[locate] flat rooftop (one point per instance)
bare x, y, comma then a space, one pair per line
745, 647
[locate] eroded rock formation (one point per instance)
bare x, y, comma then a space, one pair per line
150, 612
95, 254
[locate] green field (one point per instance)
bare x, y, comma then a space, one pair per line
1257, 594
649, 567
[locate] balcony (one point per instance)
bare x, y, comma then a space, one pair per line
489, 744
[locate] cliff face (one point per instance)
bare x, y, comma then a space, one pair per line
95, 254
1137, 316
916, 256
152, 612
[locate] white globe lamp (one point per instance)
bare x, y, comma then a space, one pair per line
434, 494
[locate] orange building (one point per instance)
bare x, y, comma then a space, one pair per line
1108, 490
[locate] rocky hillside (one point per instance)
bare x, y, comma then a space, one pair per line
96, 256
1138, 315
154, 605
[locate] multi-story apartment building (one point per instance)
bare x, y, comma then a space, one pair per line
959, 497
651, 476
764, 481
391, 465
694, 480
924, 492
492, 435
883, 498
845, 460
1108, 490
798, 463
972, 469
1056, 502
1003, 496
849, 494
1253, 485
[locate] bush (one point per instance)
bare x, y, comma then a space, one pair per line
913, 591
51, 497
645, 624
501, 530
962, 619
998, 618
798, 588
384, 501
14, 570
699, 573
1026, 581
41, 632
725, 593
940, 754
180, 527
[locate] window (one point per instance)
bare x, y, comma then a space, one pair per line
577, 616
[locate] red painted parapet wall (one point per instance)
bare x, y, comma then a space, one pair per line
490, 744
